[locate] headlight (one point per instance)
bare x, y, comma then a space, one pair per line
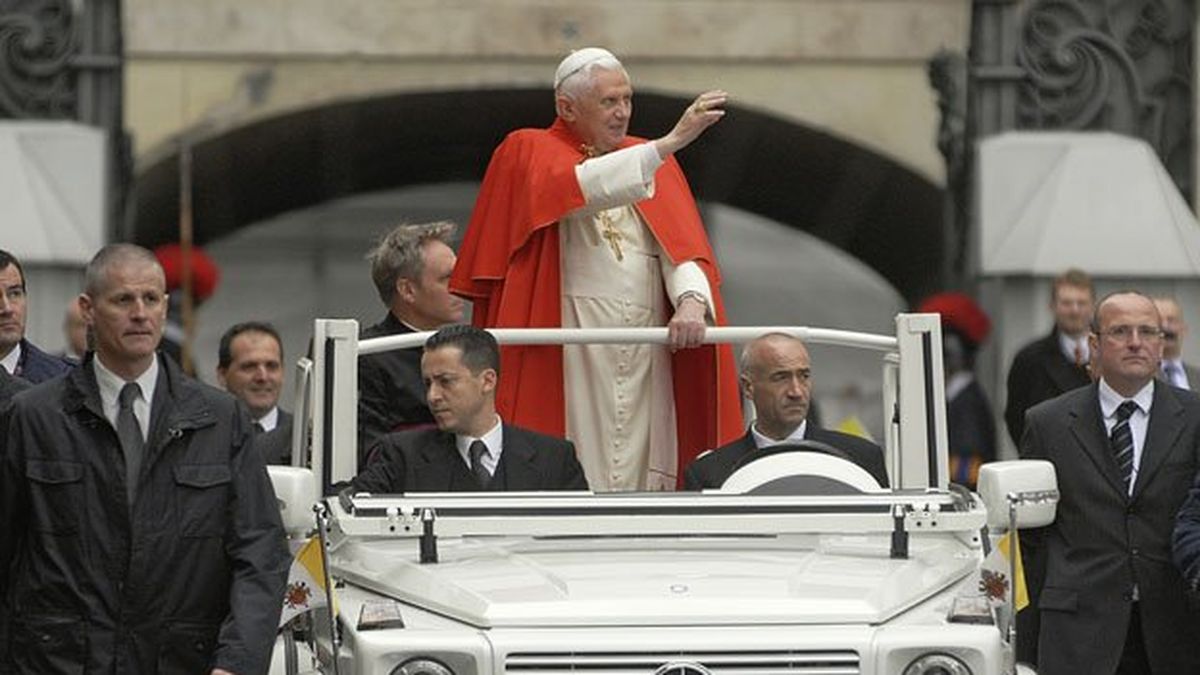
422, 666
937, 664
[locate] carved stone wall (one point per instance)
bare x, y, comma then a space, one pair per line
1117, 65
37, 41
1113, 65
62, 59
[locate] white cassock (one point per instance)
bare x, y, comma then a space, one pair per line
620, 403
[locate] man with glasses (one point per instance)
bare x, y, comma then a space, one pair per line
1175, 330
1125, 450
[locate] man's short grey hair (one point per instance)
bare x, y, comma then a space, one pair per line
579, 82
400, 254
95, 277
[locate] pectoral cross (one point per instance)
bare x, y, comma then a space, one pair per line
611, 234
609, 230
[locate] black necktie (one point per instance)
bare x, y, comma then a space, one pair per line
259, 429
1121, 439
130, 434
477, 451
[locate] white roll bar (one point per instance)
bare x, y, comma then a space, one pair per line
914, 388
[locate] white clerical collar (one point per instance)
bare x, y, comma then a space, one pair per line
1110, 400
14, 357
761, 441
269, 421
493, 439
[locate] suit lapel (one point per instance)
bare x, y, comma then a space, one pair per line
442, 469
1162, 434
519, 460
1088, 429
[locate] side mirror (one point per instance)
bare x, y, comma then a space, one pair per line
1034, 484
296, 490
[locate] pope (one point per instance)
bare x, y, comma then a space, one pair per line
582, 225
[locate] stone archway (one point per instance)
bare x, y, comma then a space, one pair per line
868, 205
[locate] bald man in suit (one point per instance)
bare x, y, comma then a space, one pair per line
776, 376
1125, 449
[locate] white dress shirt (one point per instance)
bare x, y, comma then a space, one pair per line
493, 439
1110, 400
1174, 373
761, 441
1068, 344
110, 391
269, 421
14, 357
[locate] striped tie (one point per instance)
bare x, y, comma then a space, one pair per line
1122, 441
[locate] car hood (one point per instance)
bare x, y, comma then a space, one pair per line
501, 581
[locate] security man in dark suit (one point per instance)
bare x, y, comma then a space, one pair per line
1125, 450
471, 449
18, 355
1057, 363
1043, 369
777, 377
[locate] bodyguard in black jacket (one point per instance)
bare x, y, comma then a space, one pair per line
141, 536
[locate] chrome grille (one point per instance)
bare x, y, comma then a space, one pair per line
791, 662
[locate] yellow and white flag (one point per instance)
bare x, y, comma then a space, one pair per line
995, 570
306, 582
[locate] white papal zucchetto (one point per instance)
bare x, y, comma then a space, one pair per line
576, 61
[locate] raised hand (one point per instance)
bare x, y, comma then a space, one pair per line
705, 111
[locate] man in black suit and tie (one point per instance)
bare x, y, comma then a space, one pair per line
1057, 363
1125, 450
777, 378
471, 449
411, 268
250, 366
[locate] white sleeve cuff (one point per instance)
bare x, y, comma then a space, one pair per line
621, 177
684, 277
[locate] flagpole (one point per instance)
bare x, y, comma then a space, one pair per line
322, 515
1011, 628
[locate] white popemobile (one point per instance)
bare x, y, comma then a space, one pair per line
801, 564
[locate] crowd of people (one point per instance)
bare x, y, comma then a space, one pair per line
142, 528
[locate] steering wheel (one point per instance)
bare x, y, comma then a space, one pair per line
803, 445
804, 467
